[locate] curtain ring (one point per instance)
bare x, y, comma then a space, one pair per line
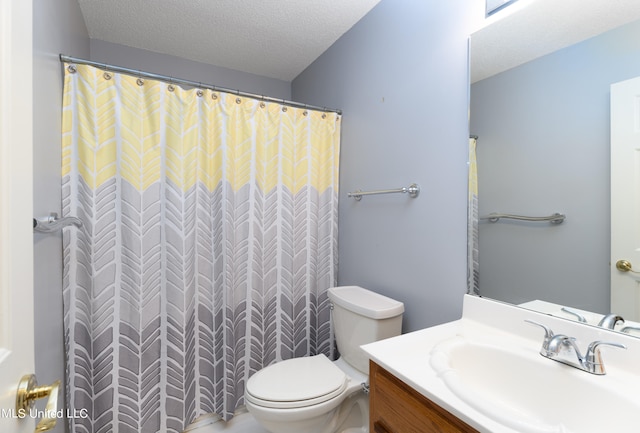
106, 75
171, 87
72, 69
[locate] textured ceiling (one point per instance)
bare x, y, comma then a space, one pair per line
541, 27
272, 38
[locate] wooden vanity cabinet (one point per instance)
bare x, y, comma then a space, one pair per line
395, 407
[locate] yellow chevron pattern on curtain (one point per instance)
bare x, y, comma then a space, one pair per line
209, 241
307, 140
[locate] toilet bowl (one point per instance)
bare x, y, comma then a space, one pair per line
316, 395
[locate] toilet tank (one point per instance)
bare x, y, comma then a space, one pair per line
361, 316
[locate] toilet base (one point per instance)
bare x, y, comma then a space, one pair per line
351, 415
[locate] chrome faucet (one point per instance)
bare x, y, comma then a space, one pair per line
564, 349
610, 321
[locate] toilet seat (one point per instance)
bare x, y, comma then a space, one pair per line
296, 383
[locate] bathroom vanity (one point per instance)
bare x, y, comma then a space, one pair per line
396, 407
485, 373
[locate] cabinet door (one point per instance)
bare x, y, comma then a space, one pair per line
395, 407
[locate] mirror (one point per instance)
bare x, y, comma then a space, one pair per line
539, 104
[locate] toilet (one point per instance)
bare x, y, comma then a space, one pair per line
316, 395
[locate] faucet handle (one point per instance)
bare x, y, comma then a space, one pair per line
579, 317
593, 347
627, 329
593, 358
548, 335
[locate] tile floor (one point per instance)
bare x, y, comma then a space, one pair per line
243, 422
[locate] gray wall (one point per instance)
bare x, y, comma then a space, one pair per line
400, 76
543, 147
135, 58
58, 27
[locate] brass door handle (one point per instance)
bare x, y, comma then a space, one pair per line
624, 266
29, 392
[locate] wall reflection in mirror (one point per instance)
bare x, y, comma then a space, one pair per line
543, 147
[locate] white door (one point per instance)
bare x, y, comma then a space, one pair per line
625, 198
16, 235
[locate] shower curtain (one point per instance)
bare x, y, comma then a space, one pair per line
209, 240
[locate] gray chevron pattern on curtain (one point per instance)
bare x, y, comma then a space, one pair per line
209, 240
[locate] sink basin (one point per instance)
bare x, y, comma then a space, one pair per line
522, 390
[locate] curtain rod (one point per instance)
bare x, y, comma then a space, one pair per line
142, 74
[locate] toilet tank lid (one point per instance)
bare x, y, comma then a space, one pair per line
365, 302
